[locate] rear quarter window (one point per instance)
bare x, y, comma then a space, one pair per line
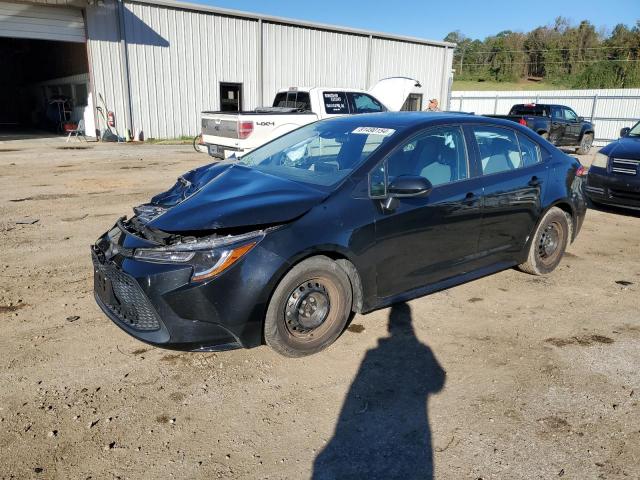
529, 151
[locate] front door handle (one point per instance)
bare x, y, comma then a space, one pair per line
535, 182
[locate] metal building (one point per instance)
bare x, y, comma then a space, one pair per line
157, 64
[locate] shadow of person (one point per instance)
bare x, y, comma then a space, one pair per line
383, 429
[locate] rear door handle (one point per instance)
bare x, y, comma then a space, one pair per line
535, 182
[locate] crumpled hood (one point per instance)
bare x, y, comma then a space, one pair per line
225, 195
628, 147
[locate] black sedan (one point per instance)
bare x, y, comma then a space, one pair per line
344, 215
614, 175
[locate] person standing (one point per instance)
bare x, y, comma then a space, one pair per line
433, 105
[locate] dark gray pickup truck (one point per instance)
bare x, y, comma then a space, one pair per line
557, 123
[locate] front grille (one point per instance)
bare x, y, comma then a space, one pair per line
625, 166
624, 194
127, 301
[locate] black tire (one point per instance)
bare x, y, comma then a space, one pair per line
309, 308
548, 243
585, 144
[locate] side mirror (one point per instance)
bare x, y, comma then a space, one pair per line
410, 186
406, 186
625, 132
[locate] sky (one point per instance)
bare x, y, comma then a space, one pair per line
433, 20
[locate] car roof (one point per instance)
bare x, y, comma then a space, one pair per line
539, 105
419, 120
327, 89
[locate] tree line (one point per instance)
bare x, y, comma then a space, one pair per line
573, 56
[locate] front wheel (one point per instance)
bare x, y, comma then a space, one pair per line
548, 243
585, 144
309, 308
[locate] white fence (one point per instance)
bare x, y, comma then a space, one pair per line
609, 110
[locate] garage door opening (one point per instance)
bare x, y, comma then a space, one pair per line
44, 87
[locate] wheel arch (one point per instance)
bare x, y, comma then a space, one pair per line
588, 131
567, 208
337, 254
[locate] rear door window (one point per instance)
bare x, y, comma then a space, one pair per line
364, 103
335, 103
499, 150
504, 150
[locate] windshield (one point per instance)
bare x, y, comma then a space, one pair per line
635, 131
322, 153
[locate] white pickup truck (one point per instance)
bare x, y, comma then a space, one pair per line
225, 134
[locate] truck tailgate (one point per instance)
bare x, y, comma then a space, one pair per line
220, 124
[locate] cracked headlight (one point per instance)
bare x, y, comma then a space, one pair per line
208, 257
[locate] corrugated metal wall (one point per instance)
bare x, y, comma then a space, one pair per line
297, 56
423, 62
177, 57
106, 63
611, 109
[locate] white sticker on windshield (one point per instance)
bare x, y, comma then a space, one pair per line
385, 132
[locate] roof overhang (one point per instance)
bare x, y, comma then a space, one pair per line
288, 21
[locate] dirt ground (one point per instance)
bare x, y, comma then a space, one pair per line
510, 376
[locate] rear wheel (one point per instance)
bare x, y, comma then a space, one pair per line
309, 308
585, 144
548, 244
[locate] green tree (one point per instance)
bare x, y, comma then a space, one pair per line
562, 53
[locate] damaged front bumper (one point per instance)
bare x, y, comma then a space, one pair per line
159, 303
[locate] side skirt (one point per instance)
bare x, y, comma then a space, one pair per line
442, 285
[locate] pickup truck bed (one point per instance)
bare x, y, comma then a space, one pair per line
235, 133
557, 123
